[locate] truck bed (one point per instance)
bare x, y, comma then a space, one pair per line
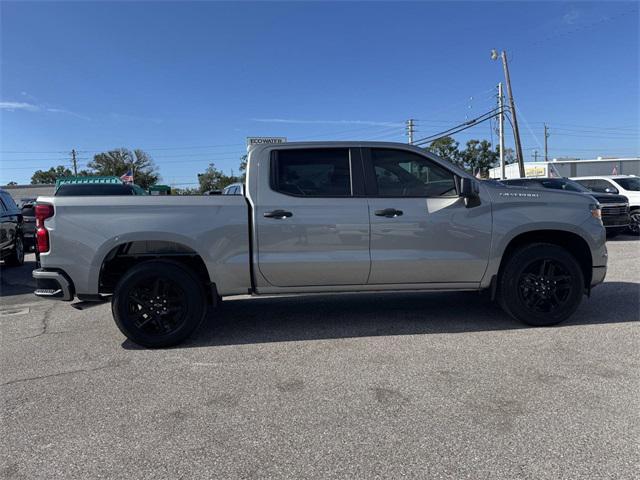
86, 230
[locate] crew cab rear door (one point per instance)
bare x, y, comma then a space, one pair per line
311, 227
421, 230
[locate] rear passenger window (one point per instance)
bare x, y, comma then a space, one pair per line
321, 172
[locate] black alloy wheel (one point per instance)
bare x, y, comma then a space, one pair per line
541, 284
158, 303
544, 285
157, 308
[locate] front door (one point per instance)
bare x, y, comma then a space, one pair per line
421, 230
311, 228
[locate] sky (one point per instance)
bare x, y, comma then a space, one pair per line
188, 82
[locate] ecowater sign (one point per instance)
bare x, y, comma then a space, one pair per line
254, 141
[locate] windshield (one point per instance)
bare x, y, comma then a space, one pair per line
632, 183
563, 184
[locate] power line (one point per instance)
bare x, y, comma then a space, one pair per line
458, 128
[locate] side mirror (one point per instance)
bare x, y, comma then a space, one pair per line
469, 188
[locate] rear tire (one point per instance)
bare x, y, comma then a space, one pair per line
16, 257
158, 303
541, 284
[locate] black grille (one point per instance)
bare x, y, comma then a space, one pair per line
614, 210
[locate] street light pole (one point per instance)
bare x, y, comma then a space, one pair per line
501, 130
516, 131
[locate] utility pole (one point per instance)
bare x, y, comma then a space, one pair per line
546, 147
535, 155
501, 130
75, 163
410, 130
516, 131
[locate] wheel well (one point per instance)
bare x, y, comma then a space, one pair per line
573, 243
125, 256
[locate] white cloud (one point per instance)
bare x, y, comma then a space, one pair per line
32, 107
572, 17
13, 106
68, 112
328, 122
122, 117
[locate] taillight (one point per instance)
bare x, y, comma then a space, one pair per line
43, 211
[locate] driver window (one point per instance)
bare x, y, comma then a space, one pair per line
405, 174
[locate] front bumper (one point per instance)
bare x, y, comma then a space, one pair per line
53, 284
616, 221
597, 275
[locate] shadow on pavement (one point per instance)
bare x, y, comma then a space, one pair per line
625, 237
298, 318
17, 280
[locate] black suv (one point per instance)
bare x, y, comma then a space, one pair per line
11, 244
615, 208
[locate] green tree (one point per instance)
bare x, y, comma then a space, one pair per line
185, 191
509, 155
214, 179
9, 184
478, 157
51, 175
243, 167
447, 148
117, 162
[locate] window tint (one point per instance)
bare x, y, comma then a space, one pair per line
632, 183
559, 184
9, 204
321, 172
92, 189
600, 186
405, 174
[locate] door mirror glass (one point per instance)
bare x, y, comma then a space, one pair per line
469, 188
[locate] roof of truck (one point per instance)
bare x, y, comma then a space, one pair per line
595, 177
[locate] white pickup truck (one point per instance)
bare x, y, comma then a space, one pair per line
321, 217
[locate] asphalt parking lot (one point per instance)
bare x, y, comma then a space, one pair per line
349, 386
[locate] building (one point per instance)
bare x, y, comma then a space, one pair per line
572, 168
18, 192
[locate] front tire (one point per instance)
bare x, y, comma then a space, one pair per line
541, 285
634, 227
158, 303
16, 257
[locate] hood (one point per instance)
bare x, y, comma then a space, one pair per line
608, 197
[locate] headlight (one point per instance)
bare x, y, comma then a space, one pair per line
596, 210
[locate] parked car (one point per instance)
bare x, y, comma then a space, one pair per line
627, 185
322, 217
615, 208
233, 189
29, 224
94, 189
11, 243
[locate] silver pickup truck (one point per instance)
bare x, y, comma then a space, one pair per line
322, 217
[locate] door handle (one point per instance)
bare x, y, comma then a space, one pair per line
388, 212
279, 214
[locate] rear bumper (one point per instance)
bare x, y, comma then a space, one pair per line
53, 284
